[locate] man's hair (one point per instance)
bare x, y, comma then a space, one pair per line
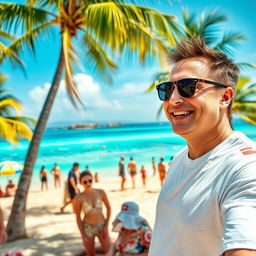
223, 69
75, 164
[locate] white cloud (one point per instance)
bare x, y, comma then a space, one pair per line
126, 103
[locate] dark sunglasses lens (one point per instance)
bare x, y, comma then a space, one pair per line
87, 181
164, 91
186, 87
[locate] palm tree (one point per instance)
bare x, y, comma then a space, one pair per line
8, 51
206, 27
12, 127
102, 26
244, 105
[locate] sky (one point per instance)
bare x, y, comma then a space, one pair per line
125, 100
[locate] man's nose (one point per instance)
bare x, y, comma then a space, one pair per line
176, 98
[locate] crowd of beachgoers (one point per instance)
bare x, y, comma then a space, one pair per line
92, 206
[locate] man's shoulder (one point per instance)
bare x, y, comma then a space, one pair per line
237, 153
241, 148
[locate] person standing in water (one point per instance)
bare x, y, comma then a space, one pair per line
121, 172
132, 168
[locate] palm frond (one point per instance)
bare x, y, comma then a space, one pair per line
5, 36
96, 56
15, 16
2, 79
158, 78
112, 24
190, 23
228, 42
243, 95
245, 65
12, 130
251, 118
244, 107
9, 103
29, 121
242, 83
208, 27
6, 51
70, 57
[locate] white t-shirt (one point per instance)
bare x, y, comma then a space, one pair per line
208, 205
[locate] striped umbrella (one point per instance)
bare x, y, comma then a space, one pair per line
10, 168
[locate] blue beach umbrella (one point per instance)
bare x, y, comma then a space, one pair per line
10, 168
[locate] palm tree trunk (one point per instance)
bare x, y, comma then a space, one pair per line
16, 223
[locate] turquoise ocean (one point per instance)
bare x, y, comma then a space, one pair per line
101, 148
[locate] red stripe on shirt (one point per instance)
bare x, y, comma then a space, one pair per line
249, 152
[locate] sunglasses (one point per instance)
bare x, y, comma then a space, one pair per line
87, 181
186, 87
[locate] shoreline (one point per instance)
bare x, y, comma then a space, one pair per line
53, 233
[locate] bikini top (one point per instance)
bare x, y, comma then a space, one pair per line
88, 209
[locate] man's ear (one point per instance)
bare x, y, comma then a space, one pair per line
226, 97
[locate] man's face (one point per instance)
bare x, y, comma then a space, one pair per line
199, 114
76, 167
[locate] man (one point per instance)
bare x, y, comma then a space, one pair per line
3, 235
161, 170
10, 189
72, 185
132, 168
56, 174
207, 206
121, 172
153, 166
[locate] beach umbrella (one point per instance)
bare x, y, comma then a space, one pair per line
10, 168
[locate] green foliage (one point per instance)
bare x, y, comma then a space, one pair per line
101, 26
206, 26
13, 127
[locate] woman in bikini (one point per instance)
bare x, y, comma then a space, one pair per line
89, 216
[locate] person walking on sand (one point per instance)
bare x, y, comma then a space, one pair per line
162, 171
132, 168
207, 205
72, 185
93, 223
121, 172
143, 175
153, 166
56, 174
43, 177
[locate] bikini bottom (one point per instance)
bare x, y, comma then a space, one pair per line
93, 229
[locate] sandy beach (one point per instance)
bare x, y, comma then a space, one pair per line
52, 233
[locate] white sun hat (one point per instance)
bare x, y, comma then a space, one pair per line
129, 217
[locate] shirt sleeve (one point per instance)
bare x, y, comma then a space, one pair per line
239, 210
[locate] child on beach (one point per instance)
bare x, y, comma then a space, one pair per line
134, 232
143, 175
